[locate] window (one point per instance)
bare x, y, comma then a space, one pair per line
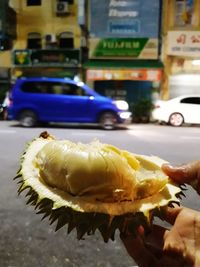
183, 12
34, 41
72, 89
33, 2
35, 87
66, 40
70, 2
57, 88
191, 100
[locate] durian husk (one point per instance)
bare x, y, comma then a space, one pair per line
86, 214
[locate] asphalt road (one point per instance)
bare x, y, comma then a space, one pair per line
26, 241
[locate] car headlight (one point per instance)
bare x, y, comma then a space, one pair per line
121, 104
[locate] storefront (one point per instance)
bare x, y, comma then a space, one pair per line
128, 80
124, 49
183, 53
46, 62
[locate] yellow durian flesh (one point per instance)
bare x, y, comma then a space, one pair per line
98, 171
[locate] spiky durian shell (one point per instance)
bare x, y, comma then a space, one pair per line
86, 218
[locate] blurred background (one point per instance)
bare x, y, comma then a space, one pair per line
140, 51
135, 50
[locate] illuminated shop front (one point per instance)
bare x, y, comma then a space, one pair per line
124, 49
128, 80
46, 62
183, 52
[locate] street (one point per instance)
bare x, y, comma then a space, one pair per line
26, 241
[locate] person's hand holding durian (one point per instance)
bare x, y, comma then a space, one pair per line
178, 246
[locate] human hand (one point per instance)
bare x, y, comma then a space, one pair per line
188, 173
177, 247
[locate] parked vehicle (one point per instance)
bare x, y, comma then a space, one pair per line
179, 110
4, 107
34, 100
1, 112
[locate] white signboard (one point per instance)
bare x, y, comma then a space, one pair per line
184, 43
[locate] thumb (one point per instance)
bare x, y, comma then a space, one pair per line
182, 174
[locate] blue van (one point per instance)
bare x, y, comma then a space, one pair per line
34, 100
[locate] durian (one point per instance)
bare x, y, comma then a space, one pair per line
94, 186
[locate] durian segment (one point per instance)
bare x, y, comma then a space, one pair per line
132, 198
92, 170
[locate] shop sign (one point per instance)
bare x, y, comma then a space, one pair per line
129, 74
67, 58
124, 18
123, 48
21, 57
184, 43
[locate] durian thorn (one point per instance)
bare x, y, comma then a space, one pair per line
180, 195
22, 188
44, 203
45, 209
71, 226
81, 230
39, 199
104, 233
20, 182
47, 213
41, 211
175, 202
62, 220
52, 219
29, 192
33, 199
171, 205
183, 187
112, 236
55, 214
19, 175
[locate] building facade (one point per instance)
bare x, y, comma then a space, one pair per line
124, 48
48, 38
181, 47
7, 37
114, 45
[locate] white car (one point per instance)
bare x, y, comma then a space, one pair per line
179, 110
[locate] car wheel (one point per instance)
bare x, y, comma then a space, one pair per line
176, 119
108, 121
27, 118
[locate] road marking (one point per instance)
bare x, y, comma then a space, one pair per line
7, 131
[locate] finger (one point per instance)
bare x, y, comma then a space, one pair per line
181, 174
170, 214
138, 251
155, 238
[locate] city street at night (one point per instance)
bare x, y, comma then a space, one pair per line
26, 241
126, 73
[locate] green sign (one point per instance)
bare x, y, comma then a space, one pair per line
123, 48
21, 57
66, 58
69, 58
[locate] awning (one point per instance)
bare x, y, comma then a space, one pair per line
127, 64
